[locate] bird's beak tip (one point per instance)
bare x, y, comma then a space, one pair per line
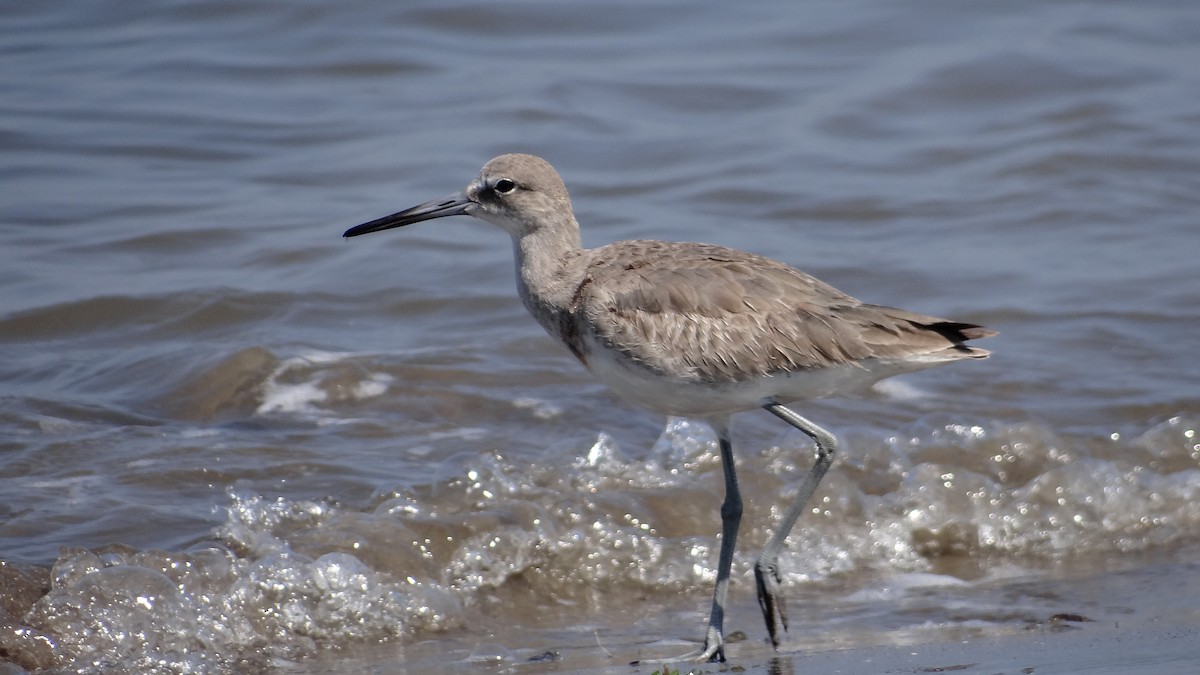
454, 205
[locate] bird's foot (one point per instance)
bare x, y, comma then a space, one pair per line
713, 651
771, 600
714, 647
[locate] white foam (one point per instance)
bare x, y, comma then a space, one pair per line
542, 409
302, 383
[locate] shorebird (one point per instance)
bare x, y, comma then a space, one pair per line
700, 331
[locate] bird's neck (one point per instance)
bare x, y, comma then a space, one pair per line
550, 268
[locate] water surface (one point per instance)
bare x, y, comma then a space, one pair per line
231, 441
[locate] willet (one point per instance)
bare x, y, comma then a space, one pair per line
699, 331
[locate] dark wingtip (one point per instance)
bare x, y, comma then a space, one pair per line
960, 332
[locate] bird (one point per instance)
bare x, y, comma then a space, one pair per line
699, 331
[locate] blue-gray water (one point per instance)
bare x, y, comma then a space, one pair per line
245, 444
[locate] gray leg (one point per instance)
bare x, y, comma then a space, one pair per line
731, 517
766, 570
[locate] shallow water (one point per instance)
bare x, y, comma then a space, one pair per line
231, 441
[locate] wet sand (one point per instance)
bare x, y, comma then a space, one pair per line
1136, 620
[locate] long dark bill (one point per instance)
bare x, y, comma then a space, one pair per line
454, 205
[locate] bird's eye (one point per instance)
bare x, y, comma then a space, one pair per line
504, 186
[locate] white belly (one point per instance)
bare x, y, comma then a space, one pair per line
686, 397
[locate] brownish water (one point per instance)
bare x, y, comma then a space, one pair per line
230, 441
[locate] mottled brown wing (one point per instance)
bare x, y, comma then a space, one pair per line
740, 315
736, 313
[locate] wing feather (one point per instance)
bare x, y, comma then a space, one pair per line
717, 314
